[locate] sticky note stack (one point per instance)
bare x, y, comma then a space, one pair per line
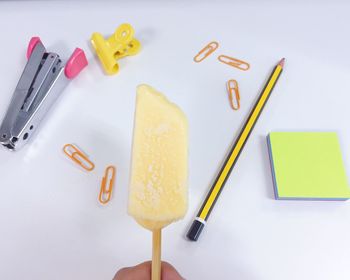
307, 166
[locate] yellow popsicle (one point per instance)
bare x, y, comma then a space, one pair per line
159, 171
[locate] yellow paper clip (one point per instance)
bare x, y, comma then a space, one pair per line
234, 62
232, 87
106, 192
206, 51
121, 43
78, 157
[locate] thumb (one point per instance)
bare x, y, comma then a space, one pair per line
170, 273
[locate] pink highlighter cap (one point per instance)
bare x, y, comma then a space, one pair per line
32, 43
75, 64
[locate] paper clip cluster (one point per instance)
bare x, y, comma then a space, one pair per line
232, 85
108, 180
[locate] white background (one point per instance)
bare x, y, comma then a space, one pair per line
51, 225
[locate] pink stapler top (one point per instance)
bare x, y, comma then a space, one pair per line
75, 63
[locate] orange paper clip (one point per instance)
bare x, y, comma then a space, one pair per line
106, 192
78, 157
206, 51
234, 62
232, 87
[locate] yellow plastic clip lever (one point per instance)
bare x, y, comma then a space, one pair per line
121, 43
106, 192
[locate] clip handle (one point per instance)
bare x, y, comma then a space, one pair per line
123, 41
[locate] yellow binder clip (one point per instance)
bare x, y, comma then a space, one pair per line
106, 191
232, 87
121, 43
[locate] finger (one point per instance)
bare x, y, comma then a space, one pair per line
141, 272
169, 272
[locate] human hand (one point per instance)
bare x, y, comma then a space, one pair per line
143, 272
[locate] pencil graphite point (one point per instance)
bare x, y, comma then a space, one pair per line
281, 63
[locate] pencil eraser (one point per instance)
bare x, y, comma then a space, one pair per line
195, 230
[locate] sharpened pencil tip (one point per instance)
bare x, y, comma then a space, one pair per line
281, 63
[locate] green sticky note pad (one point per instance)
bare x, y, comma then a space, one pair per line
307, 166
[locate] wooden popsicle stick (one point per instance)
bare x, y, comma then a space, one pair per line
156, 252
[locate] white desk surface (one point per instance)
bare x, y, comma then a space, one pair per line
51, 225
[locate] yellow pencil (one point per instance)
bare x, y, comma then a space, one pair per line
219, 183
